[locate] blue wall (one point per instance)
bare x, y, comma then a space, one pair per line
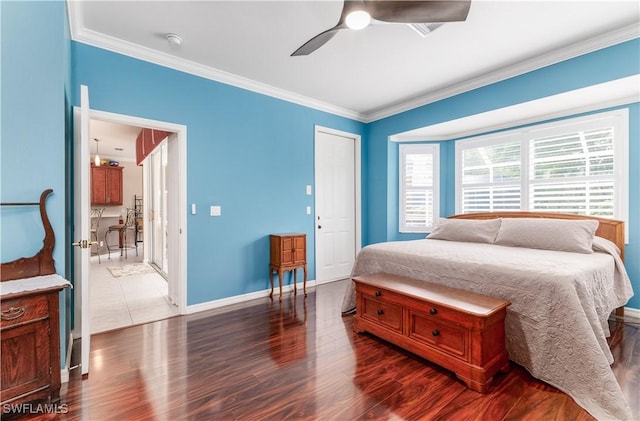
33, 135
249, 153
611, 63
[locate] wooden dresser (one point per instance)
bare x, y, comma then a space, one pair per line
288, 252
459, 330
30, 346
30, 321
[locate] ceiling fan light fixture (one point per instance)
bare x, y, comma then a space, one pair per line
358, 19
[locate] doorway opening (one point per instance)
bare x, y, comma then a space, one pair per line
141, 277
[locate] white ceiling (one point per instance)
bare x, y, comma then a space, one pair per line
368, 74
116, 142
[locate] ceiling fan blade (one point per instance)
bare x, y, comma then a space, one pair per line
322, 38
316, 42
428, 11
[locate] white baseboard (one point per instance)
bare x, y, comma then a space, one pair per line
632, 312
223, 302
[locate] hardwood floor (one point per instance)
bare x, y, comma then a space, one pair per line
300, 360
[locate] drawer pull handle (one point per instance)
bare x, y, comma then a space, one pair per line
380, 312
433, 311
436, 332
378, 293
12, 314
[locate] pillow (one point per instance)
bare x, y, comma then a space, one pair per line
548, 234
467, 230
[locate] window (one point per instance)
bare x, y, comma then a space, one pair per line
419, 187
577, 166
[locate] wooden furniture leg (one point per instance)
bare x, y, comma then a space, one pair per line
295, 280
305, 280
280, 275
271, 281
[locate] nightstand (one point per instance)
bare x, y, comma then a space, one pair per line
288, 252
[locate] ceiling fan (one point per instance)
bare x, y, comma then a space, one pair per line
358, 15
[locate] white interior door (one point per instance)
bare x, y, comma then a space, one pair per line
82, 224
335, 178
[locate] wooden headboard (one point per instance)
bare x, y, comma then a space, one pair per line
610, 229
40, 264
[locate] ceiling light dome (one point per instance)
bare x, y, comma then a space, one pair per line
174, 39
358, 19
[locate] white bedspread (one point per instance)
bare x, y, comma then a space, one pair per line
556, 326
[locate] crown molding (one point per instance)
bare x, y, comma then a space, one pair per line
612, 94
599, 42
116, 45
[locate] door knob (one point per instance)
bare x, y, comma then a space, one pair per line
319, 226
83, 244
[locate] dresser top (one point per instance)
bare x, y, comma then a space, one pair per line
290, 234
36, 283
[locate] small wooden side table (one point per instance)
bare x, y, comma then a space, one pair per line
288, 252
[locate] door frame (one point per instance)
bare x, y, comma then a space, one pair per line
356, 138
179, 257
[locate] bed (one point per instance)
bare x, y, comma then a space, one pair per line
556, 326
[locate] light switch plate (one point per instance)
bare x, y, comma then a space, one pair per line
216, 210
308, 210
308, 189
193, 209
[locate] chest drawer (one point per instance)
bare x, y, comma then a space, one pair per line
22, 310
381, 294
448, 338
440, 314
385, 314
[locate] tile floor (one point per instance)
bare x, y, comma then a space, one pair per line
125, 301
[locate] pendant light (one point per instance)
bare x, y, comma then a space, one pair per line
96, 160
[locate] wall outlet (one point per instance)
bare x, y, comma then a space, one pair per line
101, 243
215, 210
308, 189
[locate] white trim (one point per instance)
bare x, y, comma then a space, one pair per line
610, 94
357, 180
96, 39
431, 149
64, 375
181, 133
116, 45
64, 371
223, 302
558, 55
618, 118
632, 312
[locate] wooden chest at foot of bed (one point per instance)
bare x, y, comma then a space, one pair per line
459, 330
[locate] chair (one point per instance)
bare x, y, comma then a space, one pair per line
96, 216
122, 229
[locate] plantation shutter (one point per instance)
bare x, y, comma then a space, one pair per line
573, 173
491, 178
577, 166
418, 187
